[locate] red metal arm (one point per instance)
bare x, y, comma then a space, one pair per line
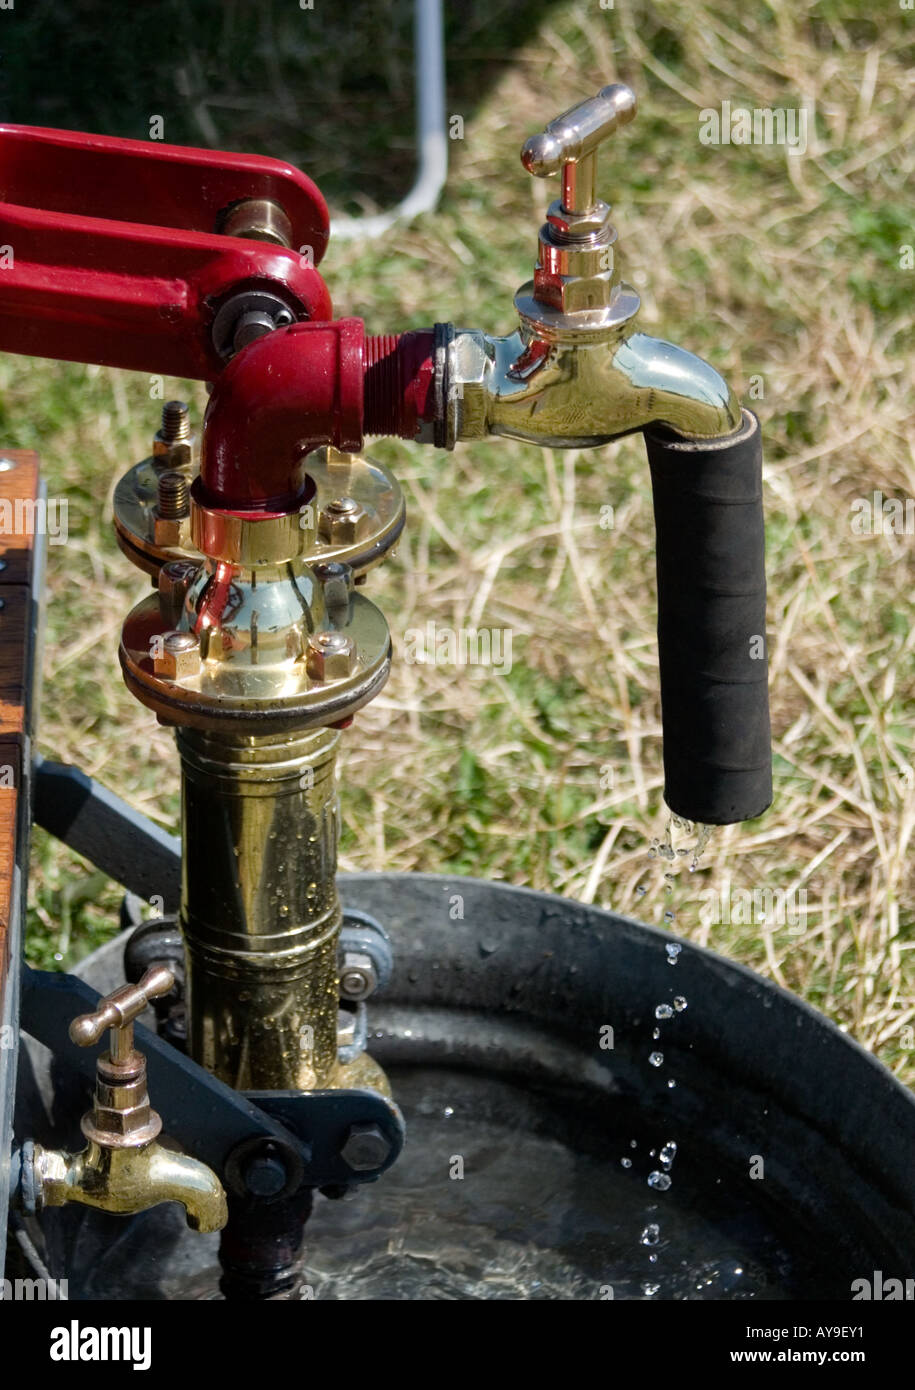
115, 257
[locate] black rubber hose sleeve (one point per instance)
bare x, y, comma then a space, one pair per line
712, 623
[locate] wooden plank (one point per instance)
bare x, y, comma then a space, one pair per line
15, 604
10, 775
18, 483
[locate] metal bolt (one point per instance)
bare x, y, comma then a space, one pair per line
250, 327
342, 506
257, 219
176, 422
173, 441
365, 1148
358, 977
265, 1174
341, 521
180, 655
331, 656
174, 499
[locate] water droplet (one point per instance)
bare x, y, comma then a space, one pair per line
626, 1162
652, 854
641, 890
656, 1033
663, 1011
659, 1181
651, 1234
668, 1153
656, 1059
668, 916
649, 1289
683, 851
652, 1259
633, 1143
448, 1112
671, 1084
679, 1003
673, 949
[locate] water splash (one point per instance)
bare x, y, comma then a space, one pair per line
679, 1003
668, 1153
664, 1011
673, 950
651, 1234
659, 1181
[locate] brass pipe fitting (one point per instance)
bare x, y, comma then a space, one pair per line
123, 1169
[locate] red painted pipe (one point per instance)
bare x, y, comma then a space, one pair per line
301, 387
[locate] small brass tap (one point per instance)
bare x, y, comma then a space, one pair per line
123, 1168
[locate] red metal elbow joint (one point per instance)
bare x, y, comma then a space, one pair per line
302, 387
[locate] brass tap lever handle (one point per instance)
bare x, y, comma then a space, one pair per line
119, 1009
569, 144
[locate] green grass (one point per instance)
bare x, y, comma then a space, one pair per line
773, 267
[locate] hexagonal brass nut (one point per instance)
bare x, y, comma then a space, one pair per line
121, 1122
179, 657
342, 527
170, 531
468, 399
586, 292
178, 453
331, 656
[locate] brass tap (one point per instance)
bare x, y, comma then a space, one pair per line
576, 373
123, 1168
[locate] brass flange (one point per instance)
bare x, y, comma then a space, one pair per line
263, 664
360, 540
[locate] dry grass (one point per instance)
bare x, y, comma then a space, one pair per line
782, 270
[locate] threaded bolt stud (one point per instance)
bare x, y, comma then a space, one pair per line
174, 500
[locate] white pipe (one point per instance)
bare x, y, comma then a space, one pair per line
431, 134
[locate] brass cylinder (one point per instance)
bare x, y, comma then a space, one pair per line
259, 906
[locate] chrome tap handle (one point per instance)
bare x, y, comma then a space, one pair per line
569, 144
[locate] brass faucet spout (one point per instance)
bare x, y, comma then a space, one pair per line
130, 1180
582, 390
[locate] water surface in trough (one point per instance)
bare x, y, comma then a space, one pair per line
500, 1194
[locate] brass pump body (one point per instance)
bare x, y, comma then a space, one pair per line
260, 912
258, 649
